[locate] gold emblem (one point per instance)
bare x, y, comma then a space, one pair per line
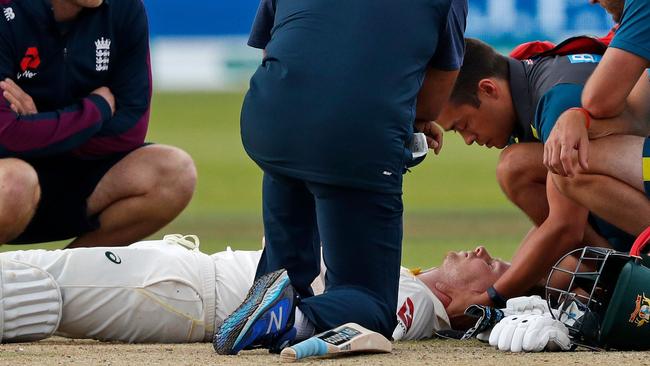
641, 314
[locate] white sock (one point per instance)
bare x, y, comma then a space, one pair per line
304, 328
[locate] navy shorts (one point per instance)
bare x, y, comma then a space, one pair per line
617, 238
66, 183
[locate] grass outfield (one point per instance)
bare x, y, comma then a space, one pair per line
452, 201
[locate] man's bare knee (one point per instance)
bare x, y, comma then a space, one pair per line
176, 172
517, 169
19, 194
18, 182
506, 170
156, 173
569, 186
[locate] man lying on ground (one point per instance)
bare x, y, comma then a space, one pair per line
168, 291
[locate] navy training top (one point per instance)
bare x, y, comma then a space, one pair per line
60, 64
334, 99
535, 84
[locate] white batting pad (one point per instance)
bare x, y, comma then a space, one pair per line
30, 302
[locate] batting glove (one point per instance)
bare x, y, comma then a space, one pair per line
515, 306
526, 305
530, 333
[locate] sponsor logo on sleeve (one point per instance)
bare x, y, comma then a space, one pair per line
584, 58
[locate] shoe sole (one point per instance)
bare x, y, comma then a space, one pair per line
263, 295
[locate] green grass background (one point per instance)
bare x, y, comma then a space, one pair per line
452, 201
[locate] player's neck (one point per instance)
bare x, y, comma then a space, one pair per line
64, 10
430, 278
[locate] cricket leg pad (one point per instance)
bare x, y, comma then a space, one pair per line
30, 302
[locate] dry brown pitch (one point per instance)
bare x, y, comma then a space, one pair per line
60, 351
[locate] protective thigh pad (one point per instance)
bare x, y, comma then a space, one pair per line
30, 302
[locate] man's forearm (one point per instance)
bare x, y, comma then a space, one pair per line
536, 256
562, 231
626, 123
605, 94
52, 132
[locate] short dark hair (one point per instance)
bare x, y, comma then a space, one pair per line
481, 61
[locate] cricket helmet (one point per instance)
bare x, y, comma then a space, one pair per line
606, 300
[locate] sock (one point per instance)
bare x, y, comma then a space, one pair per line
304, 328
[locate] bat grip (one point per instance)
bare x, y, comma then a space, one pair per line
311, 347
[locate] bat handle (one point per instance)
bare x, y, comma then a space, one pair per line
311, 347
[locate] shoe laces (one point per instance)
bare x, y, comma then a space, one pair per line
188, 241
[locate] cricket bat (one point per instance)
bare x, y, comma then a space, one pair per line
348, 337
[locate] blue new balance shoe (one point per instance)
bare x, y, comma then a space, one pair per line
264, 319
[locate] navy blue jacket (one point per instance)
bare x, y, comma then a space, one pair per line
334, 99
60, 64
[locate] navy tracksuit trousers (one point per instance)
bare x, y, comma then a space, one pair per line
361, 236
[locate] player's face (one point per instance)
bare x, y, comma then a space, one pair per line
613, 7
475, 270
488, 125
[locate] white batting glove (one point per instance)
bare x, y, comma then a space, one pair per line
519, 306
526, 305
530, 333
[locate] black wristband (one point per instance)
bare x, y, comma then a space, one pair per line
498, 300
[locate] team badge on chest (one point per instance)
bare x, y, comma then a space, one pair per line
102, 54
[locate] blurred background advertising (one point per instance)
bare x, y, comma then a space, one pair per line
201, 44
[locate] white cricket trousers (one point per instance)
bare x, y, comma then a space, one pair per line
152, 291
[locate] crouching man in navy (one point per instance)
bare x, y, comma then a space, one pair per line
75, 82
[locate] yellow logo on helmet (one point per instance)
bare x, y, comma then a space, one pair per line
641, 314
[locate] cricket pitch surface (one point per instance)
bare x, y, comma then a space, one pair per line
61, 351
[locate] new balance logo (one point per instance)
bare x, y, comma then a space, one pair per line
276, 319
102, 54
9, 14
